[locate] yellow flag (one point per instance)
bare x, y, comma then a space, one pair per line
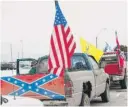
90, 49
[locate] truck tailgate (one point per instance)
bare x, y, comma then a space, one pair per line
40, 86
112, 69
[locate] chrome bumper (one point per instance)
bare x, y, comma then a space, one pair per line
116, 78
55, 103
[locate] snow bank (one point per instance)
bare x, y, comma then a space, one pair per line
12, 72
7, 73
22, 102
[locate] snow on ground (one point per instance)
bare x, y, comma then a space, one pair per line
7, 73
12, 72
21, 102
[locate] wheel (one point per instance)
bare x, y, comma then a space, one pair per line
1, 100
85, 101
123, 83
105, 96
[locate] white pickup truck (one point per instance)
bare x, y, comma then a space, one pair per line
87, 81
84, 81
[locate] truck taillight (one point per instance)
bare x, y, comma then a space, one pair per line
68, 88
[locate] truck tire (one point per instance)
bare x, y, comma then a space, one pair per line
106, 95
85, 101
0, 100
123, 83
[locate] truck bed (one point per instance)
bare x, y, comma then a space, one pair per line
39, 86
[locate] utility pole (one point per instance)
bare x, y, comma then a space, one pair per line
18, 55
11, 52
96, 41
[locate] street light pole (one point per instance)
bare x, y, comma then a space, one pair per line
22, 48
98, 35
18, 55
96, 41
11, 52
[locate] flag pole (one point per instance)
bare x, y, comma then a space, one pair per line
56, 1
116, 33
12, 69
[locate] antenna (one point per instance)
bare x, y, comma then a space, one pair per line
12, 69
116, 33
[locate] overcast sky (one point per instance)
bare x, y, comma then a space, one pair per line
32, 22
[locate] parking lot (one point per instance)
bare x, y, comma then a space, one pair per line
118, 97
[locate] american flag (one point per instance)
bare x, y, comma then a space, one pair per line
117, 42
62, 44
120, 57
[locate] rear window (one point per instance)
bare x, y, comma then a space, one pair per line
42, 66
108, 60
79, 63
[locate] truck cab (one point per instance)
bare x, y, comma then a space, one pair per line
114, 64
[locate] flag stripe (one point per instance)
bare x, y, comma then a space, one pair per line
67, 32
59, 70
62, 72
70, 41
117, 42
52, 59
71, 45
72, 50
59, 44
59, 57
50, 63
60, 29
66, 47
54, 51
71, 53
69, 36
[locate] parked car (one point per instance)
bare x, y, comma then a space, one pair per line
80, 84
114, 64
7, 66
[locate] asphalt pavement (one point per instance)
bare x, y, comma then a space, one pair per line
118, 97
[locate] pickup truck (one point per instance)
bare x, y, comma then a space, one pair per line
114, 64
80, 84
